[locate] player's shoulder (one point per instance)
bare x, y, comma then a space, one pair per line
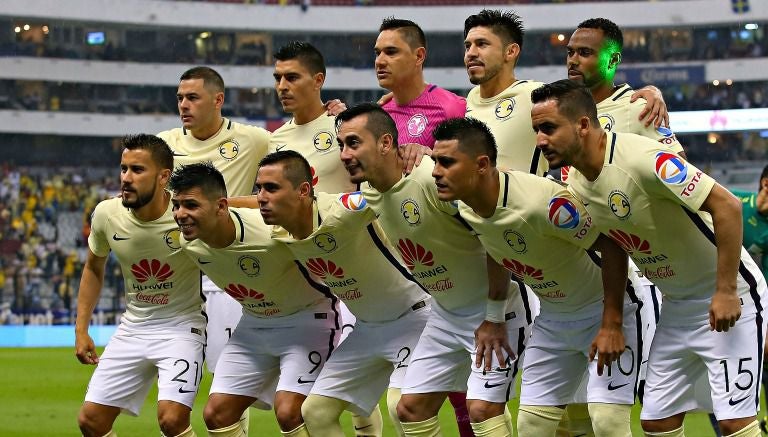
444, 94
523, 87
335, 203
253, 131
170, 135
285, 127
248, 216
110, 207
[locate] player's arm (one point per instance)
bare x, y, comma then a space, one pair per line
91, 282
609, 341
491, 335
243, 202
655, 109
334, 107
725, 209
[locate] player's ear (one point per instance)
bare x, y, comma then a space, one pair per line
483, 164
615, 60
386, 143
585, 124
221, 205
421, 55
163, 177
319, 80
512, 51
305, 189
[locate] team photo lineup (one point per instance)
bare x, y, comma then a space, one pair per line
548, 242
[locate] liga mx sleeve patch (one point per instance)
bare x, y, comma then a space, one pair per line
353, 201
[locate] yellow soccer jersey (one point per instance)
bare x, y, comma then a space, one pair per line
436, 244
618, 114
316, 141
235, 151
162, 285
647, 199
348, 253
508, 115
539, 232
256, 270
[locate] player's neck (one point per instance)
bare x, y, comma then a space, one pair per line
503, 80
590, 162
155, 208
310, 113
484, 203
602, 91
388, 176
206, 132
225, 236
305, 225
406, 93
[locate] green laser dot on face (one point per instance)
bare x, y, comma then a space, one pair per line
604, 59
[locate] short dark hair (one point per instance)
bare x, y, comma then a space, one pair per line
473, 135
506, 25
573, 99
410, 31
610, 30
201, 175
379, 122
211, 78
307, 54
161, 154
296, 168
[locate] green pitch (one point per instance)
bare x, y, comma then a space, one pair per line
42, 390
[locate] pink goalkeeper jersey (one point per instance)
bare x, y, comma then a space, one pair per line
416, 120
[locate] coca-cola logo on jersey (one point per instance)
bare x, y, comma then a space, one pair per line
153, 299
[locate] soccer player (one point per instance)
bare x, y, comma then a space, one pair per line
416, 106
234, 149
161, 334
754, 214
537, 230
492, 43
299, 76
682, 228
335, 238
289, 323
448, 260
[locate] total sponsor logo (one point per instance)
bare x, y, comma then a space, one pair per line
522, 271
229, 149
328, 270
148, 269
353, 201
692, 184
417, 124
251, 299
505, 108
670, 168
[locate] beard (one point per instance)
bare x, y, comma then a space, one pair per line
490, 73
141, 199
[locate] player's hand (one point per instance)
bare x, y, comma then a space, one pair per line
655, 110
85, 350
491, 338
385, 98
724, 311
335, 107
412, 153
608, 345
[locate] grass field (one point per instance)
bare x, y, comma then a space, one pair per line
42, 390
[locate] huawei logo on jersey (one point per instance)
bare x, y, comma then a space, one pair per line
629, 242
413, 253
324, 269
241, 292
521, 270
146, 269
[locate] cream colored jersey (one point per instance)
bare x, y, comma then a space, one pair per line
540, 233
235, 151
162, 285
648, 200
316, 141
508, 115
618, 114
436, 244
256, 270
349, 254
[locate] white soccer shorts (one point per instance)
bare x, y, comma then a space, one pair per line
223, 314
